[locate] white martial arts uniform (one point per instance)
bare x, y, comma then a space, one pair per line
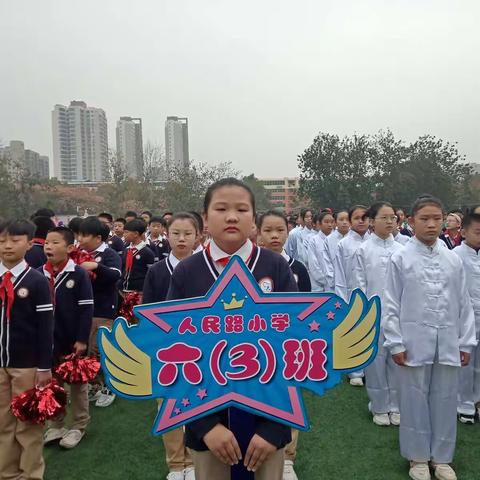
331, 247
401, 238
291, 243
469, 388
370, 271
302, 245
316, 262
428, 315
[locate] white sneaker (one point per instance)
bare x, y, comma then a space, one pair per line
356, 382
381, 419
288, 471
394, 418
53, 434
71, 439
176, 475
94, 392
419, 471
189, 473
106, 398
466, 419
443, 471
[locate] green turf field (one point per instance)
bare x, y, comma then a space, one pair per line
343, 444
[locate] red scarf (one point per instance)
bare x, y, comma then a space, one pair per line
129, 259
7, 292
224, 260
53, 273
39, 241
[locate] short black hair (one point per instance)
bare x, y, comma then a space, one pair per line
319, 218
199, 220
120, 220
342, 210
138, 225
42, 226
271, 213
105, 215
353, 209
131, 213
227, 182
147, 212
17, 226
93, 226
44, 212
372, 212
66, 233
167, 213
424, 201
160, 220
74, 224
304, 211
183, 216
470, 218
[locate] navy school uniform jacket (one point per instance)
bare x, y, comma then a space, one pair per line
157, 281
116, 243
300, 273
160, 248
27, 340
35, 257
73, 308
104, 286
193, 277
142, 260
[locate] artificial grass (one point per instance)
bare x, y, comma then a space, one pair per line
342, 444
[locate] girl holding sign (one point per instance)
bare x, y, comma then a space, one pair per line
229, 213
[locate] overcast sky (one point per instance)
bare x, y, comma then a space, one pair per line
257, 79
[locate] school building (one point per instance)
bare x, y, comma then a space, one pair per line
283, 192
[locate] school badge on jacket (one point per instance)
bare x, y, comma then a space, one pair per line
205, 354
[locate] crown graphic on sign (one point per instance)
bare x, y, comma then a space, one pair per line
234, 304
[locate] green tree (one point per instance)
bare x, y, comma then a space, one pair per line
262, 195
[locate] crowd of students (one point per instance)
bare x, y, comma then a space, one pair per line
60, 284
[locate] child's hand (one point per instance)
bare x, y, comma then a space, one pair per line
42, 379
223, 444
89, 266
79, 348
257, 452
400, 358
464, 358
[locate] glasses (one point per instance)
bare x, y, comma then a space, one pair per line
387, 218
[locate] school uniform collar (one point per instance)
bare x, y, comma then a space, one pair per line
102, 247
16, 271
422, 248
470, 251
198, 249
356, 236
244, 252
287, 257
173, 260
321, 235
380, 241
138, 247
69, 267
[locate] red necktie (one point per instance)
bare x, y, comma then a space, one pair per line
7, 292
223, 261
129, 260
53, 273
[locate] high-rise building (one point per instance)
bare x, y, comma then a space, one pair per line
80, 142
176, 143
130, 145
17, 158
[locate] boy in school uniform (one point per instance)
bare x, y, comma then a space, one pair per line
119, 228
112, 241
469, 390
137, 257
26, 341
73, 310
156, 240
107, 268
35, 257
429, 328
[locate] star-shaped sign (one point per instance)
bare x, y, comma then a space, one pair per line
238, 346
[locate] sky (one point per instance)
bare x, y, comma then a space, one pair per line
257, 79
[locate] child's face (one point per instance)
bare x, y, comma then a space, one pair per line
427, 224
327, 224
145, 217
156, 229
131, 237
230, 217
308, 220
89, 242
118, 229
452, 222
13, 248
385, 222
359, 223
56, 249
343, 223
181, 237
472, 235
273, 233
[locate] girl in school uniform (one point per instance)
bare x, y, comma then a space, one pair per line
429, 328
182, 233
229, 213
370, 270
343, 265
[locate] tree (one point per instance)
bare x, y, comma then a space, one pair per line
262, 195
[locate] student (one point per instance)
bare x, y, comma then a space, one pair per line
167, 216
130, 215
397, 235
343, 265
74, 226
107, 268
137, 257
325, 223
26, 339
229, 212
429, 328
273, 230
35, 257
156, 239
200, 240
45, 212
369, 270
119, 227
72, 294
146, 216
182, 231
452, 235
293, 236
342, 224
113, 241
469, 391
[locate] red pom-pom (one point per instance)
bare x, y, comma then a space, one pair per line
80, 256
40, 404
129, 301
77, 369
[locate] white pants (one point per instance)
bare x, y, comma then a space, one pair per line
469, 384
381, 377
428, 407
